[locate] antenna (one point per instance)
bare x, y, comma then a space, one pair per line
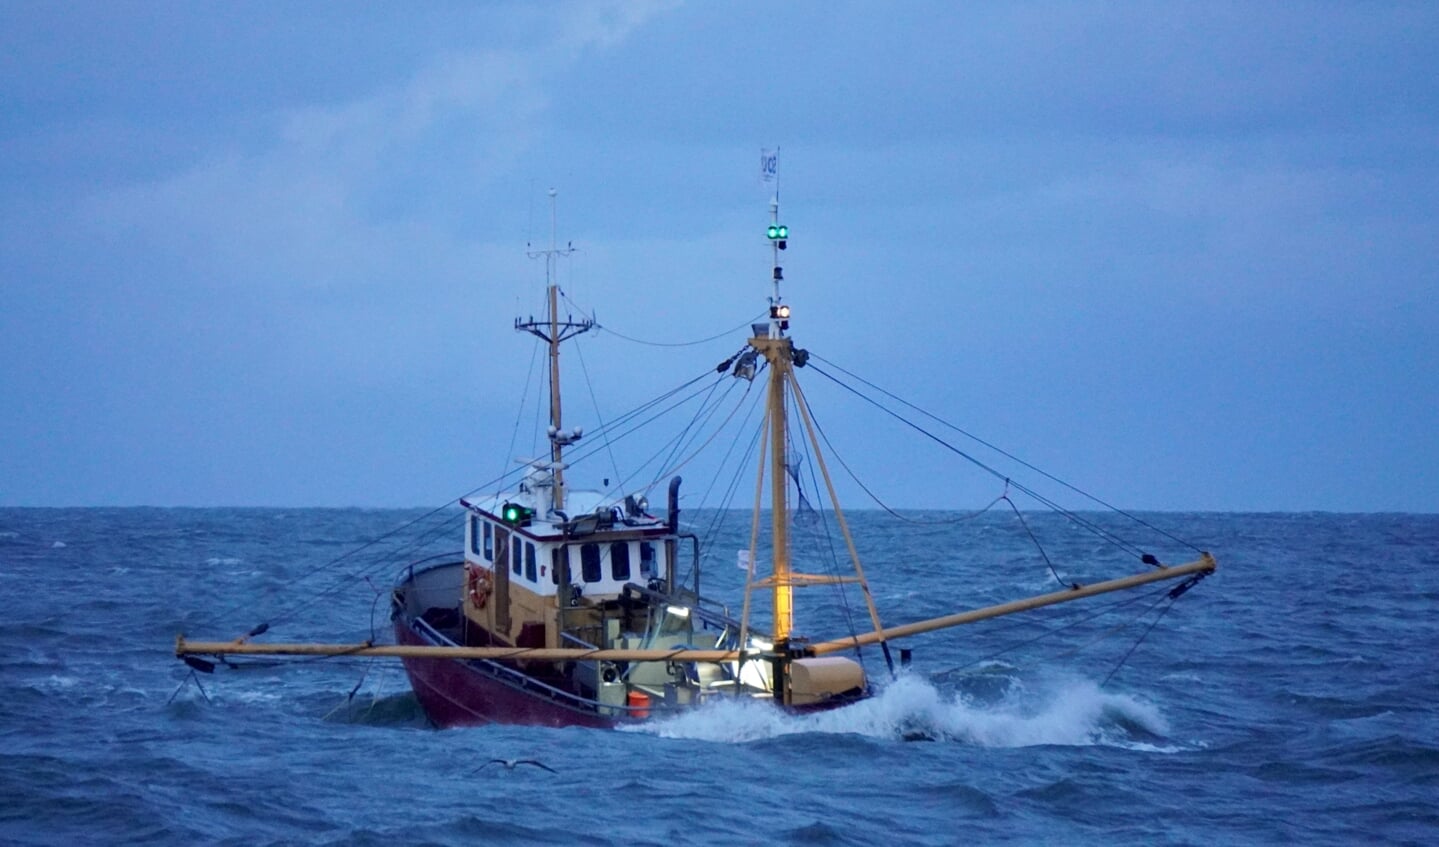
553, 331
778, 235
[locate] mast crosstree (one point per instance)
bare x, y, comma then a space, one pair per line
553, 332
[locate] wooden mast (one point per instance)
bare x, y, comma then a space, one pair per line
777, 354
552, 331
556, 444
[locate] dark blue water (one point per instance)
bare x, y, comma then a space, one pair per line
1287, 699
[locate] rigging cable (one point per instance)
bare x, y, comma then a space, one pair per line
433, 533
594, 401
1037, 545
813, 420
1011, 456
742, 463
519, 414
833, 451
1173, 595
648, 420
707, 408
1103, 610
832, 562
672, 469
598, 325
1093, 527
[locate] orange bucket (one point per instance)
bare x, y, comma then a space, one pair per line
639, 703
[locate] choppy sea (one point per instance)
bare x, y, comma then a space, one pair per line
1290, 698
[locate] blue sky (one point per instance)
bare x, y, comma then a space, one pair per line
269, 254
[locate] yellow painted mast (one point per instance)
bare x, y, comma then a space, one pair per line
776, 352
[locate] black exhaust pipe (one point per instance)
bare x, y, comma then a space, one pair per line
674, 505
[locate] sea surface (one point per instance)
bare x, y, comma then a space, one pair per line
1287, 699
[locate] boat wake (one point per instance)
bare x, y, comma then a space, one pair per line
1058, 711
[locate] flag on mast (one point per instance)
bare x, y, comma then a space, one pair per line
768, 166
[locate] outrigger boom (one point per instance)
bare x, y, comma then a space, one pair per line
1200, 567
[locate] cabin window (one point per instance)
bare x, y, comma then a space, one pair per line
489, 548
620, 561
515, 555
647, 560
530, 562
475, 534
590, 562
557, 558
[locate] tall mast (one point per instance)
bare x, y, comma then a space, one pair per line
552, 331
778, 352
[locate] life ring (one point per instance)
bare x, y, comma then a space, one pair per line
478, 586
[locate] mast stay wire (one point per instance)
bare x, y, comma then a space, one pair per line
1088, 524
629, 416
676, 444
519, 415
1006, 454
833, 451
594, 401
741, 464
967, 516
498, 480
674, 467
591, 316
728, 496
832, 562
711, 533
705, 406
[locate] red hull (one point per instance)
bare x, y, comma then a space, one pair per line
459, 693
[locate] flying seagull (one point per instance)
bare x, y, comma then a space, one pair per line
511, 764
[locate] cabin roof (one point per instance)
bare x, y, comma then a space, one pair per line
581, 506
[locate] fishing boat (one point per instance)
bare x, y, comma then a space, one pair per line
584, 606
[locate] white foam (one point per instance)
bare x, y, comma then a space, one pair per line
1061, 711
1181, 677
254, 696
222, 561
58, 544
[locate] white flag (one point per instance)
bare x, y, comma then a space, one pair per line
768, 165
743, 560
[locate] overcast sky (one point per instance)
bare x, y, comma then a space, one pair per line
270, 253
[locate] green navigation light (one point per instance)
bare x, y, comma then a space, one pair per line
516, 515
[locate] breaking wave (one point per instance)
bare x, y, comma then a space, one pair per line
1057, 711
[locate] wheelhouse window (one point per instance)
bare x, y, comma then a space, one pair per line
620, 561
557, 560
515, 551
475, 534
647, 560
530, 563
590, 563
489, 548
